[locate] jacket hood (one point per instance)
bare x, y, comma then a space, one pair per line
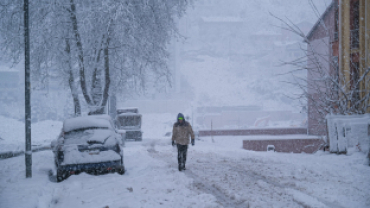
180, 115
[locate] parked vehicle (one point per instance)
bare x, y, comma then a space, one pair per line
129, 119
88, 144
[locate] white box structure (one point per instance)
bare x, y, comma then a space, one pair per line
348, 132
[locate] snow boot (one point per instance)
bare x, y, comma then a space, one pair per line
182, 166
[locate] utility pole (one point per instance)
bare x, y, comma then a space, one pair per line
27, 76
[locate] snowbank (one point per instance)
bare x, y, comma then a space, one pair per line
12, 134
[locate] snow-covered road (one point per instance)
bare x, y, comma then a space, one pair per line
239, 178
219, 174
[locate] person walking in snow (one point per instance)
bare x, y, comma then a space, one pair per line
180, 135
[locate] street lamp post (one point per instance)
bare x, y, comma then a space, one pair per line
28, 155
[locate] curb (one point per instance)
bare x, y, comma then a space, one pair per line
10, 154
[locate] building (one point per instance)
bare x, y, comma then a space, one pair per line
338, 49
319, 42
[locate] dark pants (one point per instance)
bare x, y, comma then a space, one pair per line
181, 155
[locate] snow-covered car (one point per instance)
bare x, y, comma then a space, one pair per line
88, 144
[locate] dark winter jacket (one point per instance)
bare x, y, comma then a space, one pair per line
182, 131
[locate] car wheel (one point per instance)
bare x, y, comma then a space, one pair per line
60, 178
121, 170
61, 175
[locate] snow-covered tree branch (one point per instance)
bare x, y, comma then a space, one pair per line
88, 42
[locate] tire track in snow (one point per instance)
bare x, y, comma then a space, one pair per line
201, 185
323, 202
292, 189
300, 197
201, 182
223, 199
246, 183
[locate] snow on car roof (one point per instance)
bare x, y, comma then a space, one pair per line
86, 122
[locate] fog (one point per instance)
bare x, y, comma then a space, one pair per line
227, 54
218, 85
230, 56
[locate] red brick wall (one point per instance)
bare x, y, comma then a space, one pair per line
245, 132
316, 124
285, 145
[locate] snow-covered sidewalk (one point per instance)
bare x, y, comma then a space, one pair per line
12, 133
219, 174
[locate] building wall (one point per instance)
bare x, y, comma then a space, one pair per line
286, 145
354, 58
318, 57
247, 119
365, 45
348, 59
319, 52
248, 132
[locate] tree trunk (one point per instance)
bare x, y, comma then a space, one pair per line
76, 100
106, 75
96, 88
80, 53
105, 96
71, 81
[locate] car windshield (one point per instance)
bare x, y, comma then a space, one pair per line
79, 133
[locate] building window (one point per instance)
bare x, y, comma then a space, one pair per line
355, 24
336, 19
335, 74
354, 74
354, 82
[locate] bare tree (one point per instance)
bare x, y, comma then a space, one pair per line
325, 86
